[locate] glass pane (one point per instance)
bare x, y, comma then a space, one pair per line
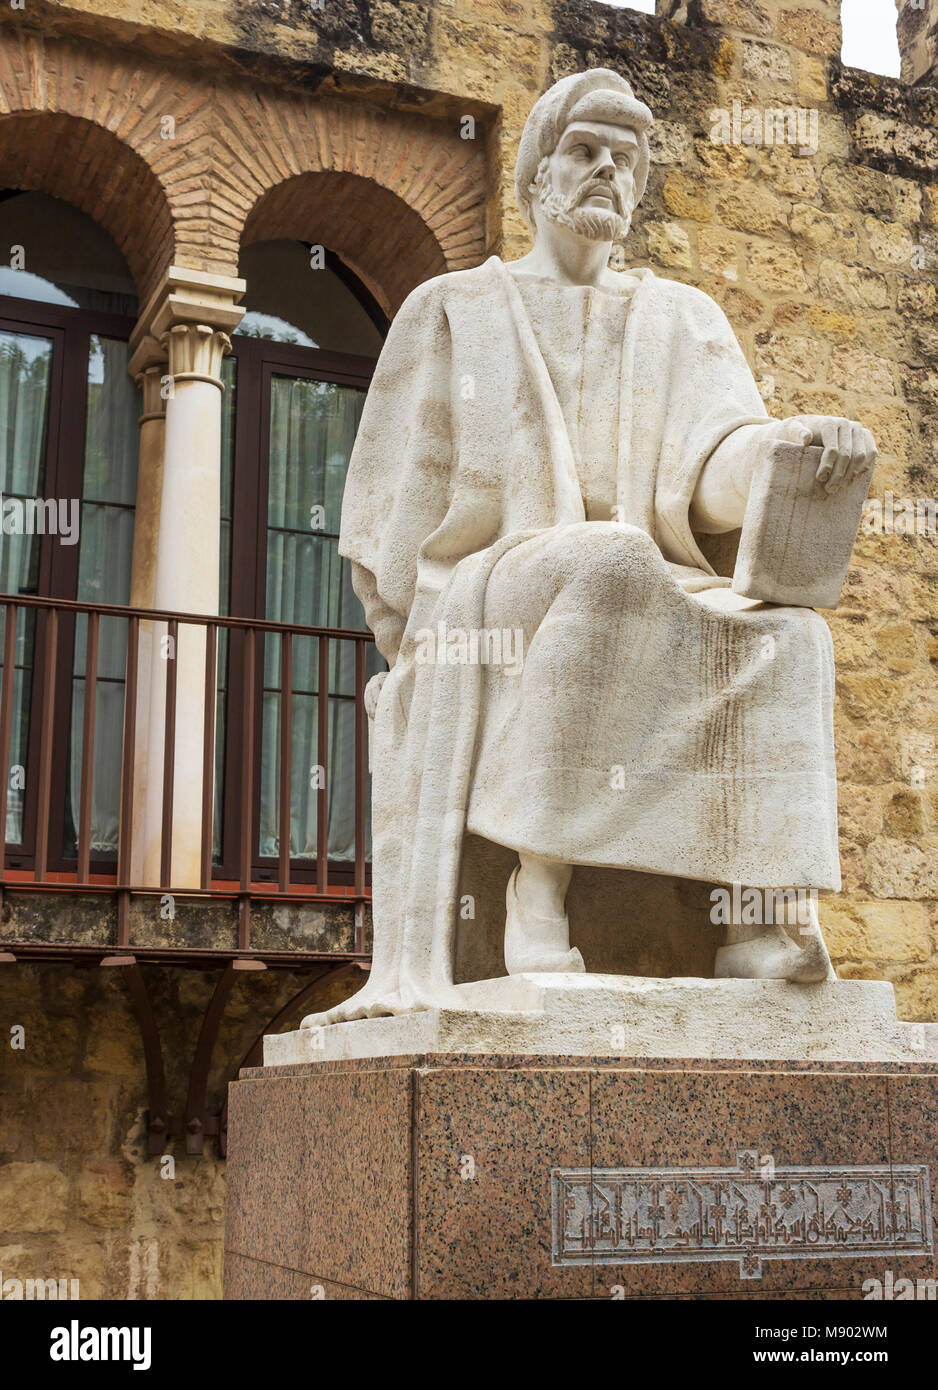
229, 402
312, 429
112, 438
19, 739
229, 376
105, 553
109, 490
221, 725
305, 778
25, 369
65, 257
109, 720
294, 297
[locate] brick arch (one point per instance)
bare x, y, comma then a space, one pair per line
85, 125
400, 198
372, 230
90, 168
97, 140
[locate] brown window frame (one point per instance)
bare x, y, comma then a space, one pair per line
71, 330
258, 361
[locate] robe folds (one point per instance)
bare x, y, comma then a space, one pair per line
641, 729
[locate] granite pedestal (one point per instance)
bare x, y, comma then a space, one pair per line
613, 1172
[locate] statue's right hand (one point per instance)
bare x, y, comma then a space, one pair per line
848, 449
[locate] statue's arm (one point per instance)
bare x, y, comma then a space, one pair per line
387, 626
719, 501
721, 372
399, 479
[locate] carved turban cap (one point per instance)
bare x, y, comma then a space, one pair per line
597, 95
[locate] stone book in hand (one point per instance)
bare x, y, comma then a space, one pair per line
796, 538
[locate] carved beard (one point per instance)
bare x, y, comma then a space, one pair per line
595, 224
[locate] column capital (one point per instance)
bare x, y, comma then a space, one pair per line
150, 383
184, 298
194, 352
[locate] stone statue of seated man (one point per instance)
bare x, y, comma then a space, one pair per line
543, 444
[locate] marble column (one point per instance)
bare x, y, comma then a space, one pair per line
187, 323
143, 587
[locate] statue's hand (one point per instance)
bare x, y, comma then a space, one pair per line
372, 691
848, 447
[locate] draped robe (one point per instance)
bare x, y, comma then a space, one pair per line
643, 730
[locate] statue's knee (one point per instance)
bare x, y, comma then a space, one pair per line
603, 563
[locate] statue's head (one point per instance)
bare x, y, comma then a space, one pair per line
583, 157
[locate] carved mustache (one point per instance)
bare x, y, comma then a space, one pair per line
601, 186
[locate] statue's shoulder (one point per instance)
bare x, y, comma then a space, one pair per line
685, 301
440, 290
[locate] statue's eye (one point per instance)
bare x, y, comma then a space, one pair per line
581, 151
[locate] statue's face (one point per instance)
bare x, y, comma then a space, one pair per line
589, 182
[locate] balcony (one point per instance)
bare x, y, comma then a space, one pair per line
189, 849
189, 872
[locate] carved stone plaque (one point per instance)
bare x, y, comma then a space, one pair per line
752, 1212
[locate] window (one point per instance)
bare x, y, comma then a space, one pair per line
301, 362
295, 386
68, 469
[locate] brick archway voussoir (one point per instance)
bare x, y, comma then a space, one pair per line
375, 232
70, 158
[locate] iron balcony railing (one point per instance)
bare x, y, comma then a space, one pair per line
239, 876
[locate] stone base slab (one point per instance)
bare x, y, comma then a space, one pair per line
624, 1016
487, 1177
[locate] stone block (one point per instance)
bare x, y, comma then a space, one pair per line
811, 31
688, 197
467, 1177
875, 931
105, 1189
33, 1198
619, 1015
752, 209
775, 269
669, 244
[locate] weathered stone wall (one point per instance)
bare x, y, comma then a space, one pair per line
917, 27
79, 1197
826, 263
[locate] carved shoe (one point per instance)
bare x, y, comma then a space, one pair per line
774, 956
536, 944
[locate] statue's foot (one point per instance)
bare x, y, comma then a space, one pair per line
535, 943
774, 956
383, 1002
358, 1005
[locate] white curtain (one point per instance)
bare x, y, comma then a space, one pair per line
109, 488
25, 365
312, 429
